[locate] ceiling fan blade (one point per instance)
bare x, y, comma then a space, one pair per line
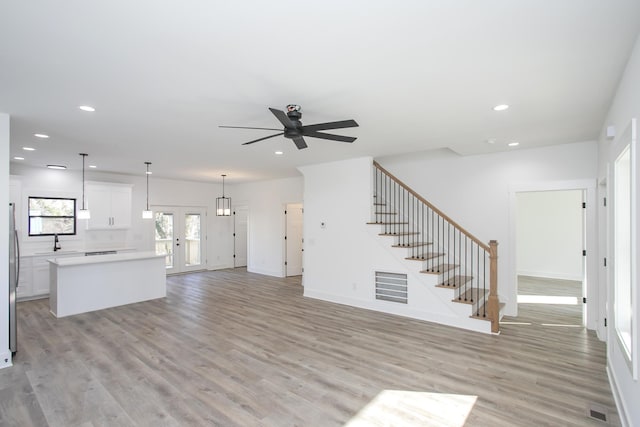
261, 139
244, 127
331, 125
300, 143
332, 137
282, 118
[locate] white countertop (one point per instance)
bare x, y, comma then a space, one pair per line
97, 259
79, 252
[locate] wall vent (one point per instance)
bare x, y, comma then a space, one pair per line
391, 287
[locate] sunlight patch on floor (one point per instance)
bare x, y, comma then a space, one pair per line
546, 299
564, 326
412, 408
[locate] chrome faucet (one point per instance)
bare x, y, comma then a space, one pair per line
56, 243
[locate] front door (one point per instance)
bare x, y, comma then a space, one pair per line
180, 235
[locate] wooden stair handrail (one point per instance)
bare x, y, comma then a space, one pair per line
436, 210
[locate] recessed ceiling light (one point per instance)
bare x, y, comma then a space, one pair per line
41, 135
279, 153
149, 173
87, 108
92, 166
490, 141
58, 167
18, 158
28, 149
513, 144
501, 107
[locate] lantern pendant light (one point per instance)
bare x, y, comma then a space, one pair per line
223, 204
84, 212
147, 213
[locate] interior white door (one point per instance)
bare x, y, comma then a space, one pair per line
180, 234
293, 240
240, 215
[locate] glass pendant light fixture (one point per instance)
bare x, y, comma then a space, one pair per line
84, 212
223, 204
147, 213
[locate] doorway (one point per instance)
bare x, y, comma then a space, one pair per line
550, 257
180, 233
293, 239
240, 215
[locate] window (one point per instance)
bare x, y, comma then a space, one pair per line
622, 249
52, 215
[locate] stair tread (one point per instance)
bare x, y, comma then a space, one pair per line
471, 296
439, 269
412, 245
426, 256
455, 281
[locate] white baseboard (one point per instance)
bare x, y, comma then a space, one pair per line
463, 322
272, 273
617, 397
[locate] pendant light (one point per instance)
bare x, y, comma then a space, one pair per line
84, 212
223, 204
147, 214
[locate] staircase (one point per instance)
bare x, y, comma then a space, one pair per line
464, 266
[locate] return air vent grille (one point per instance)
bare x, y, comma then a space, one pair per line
391, 287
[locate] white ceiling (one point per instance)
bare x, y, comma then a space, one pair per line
416, 75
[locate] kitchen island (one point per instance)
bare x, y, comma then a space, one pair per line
89, 283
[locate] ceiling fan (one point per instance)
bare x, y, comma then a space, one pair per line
295, 130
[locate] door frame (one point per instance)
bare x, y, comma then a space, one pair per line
235, 209
179, 212
286, 239
591, 313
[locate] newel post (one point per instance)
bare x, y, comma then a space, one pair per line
493, 309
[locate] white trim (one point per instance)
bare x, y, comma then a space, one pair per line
590, 284
618, 397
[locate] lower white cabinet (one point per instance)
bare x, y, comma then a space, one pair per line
24, 288
40, 276
34, 275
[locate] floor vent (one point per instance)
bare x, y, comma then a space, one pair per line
597, 412
391, 287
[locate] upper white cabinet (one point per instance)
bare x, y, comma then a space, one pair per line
110, 206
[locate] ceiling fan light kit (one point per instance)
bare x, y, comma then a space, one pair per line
296, 131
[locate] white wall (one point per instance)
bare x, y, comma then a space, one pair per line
266, 201
549, 234
343, 252
47, 182
625, 106
5, 354
475, 191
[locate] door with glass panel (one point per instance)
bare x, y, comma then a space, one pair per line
180, 235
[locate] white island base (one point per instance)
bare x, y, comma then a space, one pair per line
82, 284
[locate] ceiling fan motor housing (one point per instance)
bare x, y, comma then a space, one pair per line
296, 130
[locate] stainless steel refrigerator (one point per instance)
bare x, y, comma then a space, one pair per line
14, 276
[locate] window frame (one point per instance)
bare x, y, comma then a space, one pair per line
29, 216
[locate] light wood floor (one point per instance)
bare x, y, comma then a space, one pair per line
230, 348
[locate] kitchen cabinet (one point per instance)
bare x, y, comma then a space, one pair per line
24, 289
34, 275
110, 206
